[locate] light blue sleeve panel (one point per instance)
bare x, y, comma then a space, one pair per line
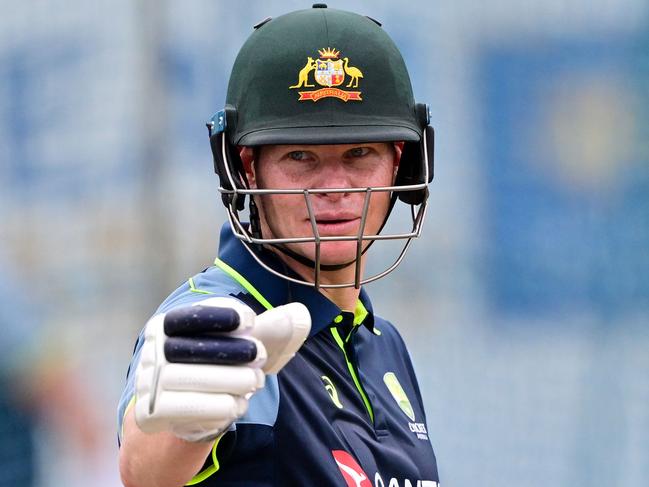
213, 282
129, 388
263, 405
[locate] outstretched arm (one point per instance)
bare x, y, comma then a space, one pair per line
159, 459
198, 367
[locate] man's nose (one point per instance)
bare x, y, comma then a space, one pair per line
335, 175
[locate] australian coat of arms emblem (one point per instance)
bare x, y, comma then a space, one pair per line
330, 72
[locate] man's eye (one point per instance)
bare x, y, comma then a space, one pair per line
358, 151
297, 155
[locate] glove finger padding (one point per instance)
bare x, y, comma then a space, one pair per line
222, 350
187, 413
238, 381
200, 319
199, 406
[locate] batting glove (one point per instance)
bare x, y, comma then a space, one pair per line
200, 364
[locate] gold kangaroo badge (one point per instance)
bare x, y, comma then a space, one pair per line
329, 72
303, 78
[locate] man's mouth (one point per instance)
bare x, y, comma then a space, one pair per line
335, 221
337, 224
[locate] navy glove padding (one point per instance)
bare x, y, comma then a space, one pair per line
194, 337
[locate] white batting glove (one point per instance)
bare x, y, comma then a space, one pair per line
201, 363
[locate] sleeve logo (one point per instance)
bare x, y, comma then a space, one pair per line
329, 71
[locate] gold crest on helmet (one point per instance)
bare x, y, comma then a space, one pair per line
329, 71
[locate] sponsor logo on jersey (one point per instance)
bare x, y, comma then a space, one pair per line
328, 71
350, 469
394, 482
356, 477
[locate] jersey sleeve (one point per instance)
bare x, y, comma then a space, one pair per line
252, 434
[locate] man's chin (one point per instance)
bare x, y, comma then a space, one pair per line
331, 253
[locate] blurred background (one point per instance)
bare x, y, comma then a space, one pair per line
525, 304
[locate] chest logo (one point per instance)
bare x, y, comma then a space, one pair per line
399, 394
331, 390
350, 469
329, 71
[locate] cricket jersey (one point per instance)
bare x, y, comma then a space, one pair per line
345, 411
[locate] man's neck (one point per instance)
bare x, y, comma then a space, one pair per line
344, 297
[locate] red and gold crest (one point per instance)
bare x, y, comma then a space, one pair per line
330, 72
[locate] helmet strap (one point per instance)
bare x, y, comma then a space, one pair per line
255, 225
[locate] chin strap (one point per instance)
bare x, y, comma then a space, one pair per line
255, 230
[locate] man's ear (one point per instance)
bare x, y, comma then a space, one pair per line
248, 159
398, 150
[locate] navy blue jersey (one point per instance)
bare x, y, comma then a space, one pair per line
346, 410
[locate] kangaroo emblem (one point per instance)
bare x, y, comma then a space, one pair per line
303, 77
357, 477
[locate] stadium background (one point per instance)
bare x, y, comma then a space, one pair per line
525, 304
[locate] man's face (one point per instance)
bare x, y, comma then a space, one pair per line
336, 214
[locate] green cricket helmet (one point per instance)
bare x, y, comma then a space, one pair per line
321, 76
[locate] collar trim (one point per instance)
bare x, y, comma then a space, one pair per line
243, 281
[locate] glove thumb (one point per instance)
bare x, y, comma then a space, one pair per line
282, 330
